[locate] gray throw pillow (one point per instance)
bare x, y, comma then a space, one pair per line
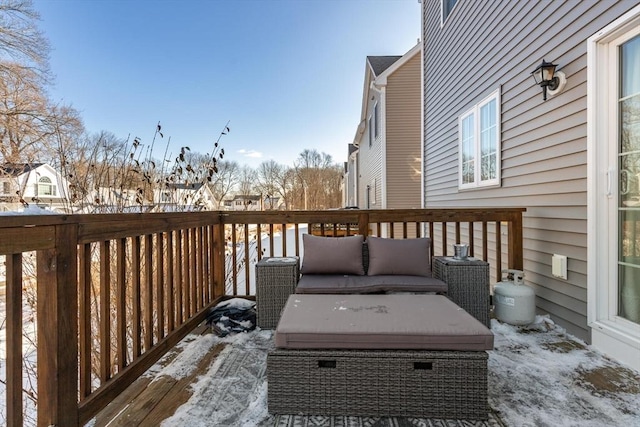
332, 255
408, 257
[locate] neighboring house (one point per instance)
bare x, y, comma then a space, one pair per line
184, 197
387, 174
115, 200
272, 203
350, 178
244, 203
35, 184
573, 161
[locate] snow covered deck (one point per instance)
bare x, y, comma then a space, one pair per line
538, 375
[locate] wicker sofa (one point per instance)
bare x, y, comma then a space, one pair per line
351, 265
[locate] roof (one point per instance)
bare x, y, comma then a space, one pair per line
241, 197
182, 186
15, 169
380, 63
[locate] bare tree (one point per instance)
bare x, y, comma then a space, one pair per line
316, 175
225, 180
246, 183
274, 180
21, 41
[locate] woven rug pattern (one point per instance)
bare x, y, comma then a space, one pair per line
243, 369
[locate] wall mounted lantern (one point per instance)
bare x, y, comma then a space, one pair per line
552, 81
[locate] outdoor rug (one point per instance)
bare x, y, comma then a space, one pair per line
237, 397
538, 376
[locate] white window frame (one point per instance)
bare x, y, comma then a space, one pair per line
46, 187
475, 113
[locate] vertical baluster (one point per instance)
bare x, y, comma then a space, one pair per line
85, 319
105, 311
121, 304
148, 300
199, 261
259, 242
137, 297
498, 249
247, 270
193, 257
234, 260
14, 339
159, 289
171, 304
186, 283
485, 242
284, 239
179, 277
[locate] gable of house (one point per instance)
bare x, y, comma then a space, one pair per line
388, 139
34, 183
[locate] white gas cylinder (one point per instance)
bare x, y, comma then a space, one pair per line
515, 302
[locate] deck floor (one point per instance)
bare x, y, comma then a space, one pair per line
599, 391
151, 400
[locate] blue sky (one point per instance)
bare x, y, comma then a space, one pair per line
287, 74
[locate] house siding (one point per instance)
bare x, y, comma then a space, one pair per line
544, 144
403, 116
370, 159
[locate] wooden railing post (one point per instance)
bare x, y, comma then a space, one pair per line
363, 224
515, 242
58, 330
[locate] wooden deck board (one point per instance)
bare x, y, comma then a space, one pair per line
149, 401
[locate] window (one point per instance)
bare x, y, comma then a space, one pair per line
373, 191
479, 138
446, 6
5, 187
45, 187
371, 137
376, 121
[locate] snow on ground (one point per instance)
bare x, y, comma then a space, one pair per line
534, 380
30, 210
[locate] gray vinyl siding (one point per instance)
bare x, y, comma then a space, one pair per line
483, 47
403, 135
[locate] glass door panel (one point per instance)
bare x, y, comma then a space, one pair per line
629, 185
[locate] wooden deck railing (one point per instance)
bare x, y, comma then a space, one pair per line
115, 292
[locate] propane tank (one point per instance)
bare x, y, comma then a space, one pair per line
514, 301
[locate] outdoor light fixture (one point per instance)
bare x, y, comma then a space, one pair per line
552, 81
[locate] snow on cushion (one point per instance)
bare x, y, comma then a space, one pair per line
417, 322
399, 256
332, 255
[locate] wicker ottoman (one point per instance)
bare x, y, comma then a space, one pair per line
379, 355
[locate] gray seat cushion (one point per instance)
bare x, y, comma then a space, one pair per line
419, 322
353, 284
